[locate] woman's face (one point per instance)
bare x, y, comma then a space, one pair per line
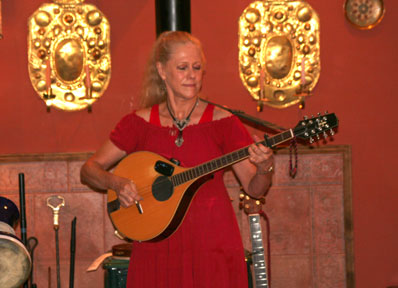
183, 72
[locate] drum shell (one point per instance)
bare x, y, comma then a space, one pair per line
15, 260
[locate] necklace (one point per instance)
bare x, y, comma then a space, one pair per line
181, 124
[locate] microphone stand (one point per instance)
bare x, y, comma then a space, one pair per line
250, 118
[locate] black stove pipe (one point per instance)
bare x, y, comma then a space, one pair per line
173, 15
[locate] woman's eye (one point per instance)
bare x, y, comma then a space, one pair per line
197, 67
181, 67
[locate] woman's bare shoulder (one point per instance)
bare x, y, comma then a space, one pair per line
144, 113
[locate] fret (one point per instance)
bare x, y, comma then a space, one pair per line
230, 158
174, 180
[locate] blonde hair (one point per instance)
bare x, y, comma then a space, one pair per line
153, 88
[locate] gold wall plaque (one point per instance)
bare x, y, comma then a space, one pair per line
279, 51
69, 54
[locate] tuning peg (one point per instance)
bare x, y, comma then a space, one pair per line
311, 140
325, 135
331, 132
317, 136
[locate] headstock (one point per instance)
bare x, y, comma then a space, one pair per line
315, 126
249, 204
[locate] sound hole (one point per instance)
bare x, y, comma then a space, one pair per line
162, 188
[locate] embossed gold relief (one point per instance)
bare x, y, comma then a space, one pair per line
364, 14
279, 51
69, 54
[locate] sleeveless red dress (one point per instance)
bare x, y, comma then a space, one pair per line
206, 250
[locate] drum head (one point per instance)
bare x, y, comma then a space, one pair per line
15, 262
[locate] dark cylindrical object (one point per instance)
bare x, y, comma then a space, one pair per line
21, 178
72, 254
57, 258
22, 207
173, 15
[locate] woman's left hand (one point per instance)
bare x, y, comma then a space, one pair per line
261, 156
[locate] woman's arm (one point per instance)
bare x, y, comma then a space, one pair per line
255, 173
94, 173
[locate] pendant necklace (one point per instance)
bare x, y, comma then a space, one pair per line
181, 124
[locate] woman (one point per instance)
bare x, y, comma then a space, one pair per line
206, 250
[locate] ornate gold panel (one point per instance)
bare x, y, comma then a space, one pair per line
279, 51
69, 54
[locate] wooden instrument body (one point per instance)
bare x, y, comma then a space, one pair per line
159, 218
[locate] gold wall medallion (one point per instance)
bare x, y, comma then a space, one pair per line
69, 54
279, 51
364, 14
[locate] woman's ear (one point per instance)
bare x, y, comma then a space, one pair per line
161, 71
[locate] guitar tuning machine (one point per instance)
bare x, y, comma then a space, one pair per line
311, 140
331, 132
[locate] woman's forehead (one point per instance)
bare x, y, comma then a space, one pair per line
186, 50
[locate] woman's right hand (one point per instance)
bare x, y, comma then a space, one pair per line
126, 191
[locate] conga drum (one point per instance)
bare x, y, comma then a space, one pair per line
15, 261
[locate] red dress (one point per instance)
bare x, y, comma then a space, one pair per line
206, 250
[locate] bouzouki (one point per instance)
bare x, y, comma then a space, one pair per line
167, 189
252, 208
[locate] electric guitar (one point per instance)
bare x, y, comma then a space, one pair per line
252, 208
167, 189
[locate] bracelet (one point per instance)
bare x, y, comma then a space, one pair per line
270, 169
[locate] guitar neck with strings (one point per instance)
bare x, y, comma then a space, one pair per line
227, 160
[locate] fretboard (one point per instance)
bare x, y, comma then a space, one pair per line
227, 160
258, 258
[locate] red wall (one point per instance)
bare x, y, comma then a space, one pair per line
356, 82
